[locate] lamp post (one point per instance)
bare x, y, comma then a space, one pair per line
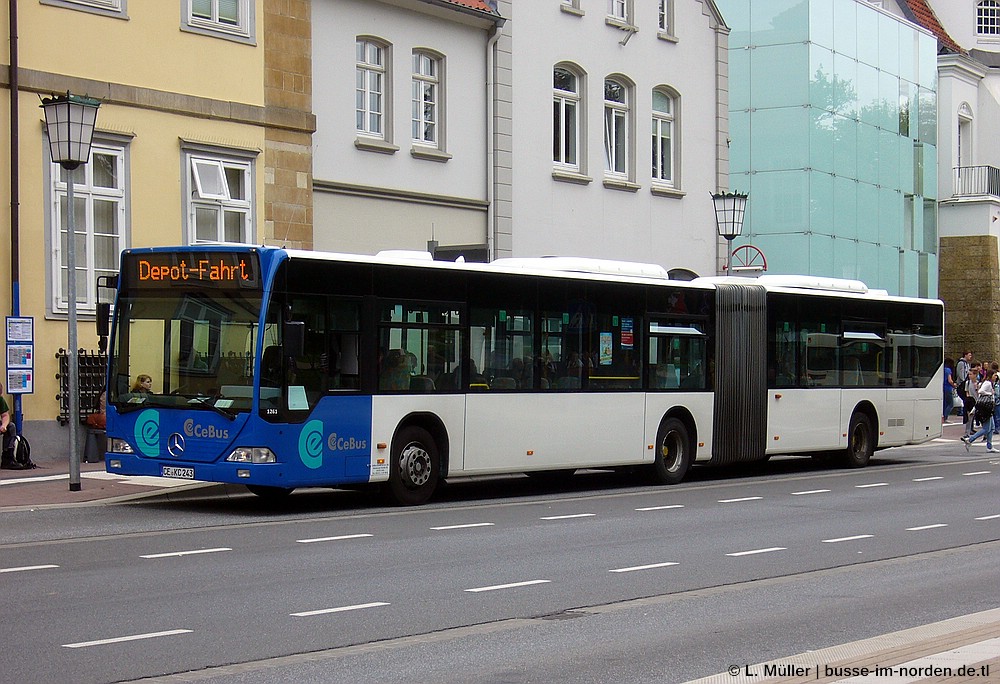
730, 208
69, 122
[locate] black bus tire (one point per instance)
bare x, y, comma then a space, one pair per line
415, 466
673, 452
860, 442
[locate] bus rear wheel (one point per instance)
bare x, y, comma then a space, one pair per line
673, 452
415, 466
860, 442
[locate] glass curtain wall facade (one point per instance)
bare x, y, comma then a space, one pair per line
833, 133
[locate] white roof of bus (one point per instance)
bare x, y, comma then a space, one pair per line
607, 269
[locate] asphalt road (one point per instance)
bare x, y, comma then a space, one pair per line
502, 580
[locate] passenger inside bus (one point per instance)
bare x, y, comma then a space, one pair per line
395, 371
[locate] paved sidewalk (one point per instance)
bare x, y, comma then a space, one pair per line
47, 486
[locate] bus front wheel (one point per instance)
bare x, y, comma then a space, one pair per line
860, 442
415, 467
673, 452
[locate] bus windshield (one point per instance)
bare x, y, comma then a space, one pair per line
190, 349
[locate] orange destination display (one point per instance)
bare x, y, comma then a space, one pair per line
223, 270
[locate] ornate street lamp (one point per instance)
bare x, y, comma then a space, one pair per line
730, 208
69, 122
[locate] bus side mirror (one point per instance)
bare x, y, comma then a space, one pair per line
103, 325
293, 338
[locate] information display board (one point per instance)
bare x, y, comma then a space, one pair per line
20, 354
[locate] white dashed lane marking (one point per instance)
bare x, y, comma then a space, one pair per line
328, 539
25, 568
756, 551
568, 517
133, 637
340, 609
844, 539
512, 585
194, 552
643, 567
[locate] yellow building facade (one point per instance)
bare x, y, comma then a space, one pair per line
204, 133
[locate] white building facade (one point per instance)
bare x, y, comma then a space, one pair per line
619, 123
401, 154
593, 128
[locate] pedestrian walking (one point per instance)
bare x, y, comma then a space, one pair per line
971, 386
985, 403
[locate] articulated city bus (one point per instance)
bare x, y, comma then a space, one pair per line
281, 369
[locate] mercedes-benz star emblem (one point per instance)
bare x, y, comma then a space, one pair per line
175, 445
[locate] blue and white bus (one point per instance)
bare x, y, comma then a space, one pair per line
281, 369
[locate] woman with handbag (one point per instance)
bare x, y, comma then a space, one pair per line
985, 403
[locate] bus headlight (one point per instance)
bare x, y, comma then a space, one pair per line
119, 446
252, 455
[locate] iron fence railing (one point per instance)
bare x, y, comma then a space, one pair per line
93, 370
972, 181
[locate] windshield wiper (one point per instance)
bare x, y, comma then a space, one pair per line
218, 409
130, 406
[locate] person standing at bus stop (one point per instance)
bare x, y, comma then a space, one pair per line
6, 427
961, 375
950, 387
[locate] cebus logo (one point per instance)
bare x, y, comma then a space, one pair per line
193, 429
311, 444
147, 433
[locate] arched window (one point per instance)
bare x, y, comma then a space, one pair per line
565, 119
426, 98
988, 18
664, 137
616, 128
370, 87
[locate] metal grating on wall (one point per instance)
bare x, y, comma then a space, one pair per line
740, 424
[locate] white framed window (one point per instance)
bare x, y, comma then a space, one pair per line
370, 85
425, 115
113, 8
618, 9
100, 194
616, 128
226, 18
219, 195
664, 137
665, 17
565, 119
988, 18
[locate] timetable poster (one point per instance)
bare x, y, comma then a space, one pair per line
20, 354
20, 381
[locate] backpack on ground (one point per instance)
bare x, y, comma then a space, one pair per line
18, 457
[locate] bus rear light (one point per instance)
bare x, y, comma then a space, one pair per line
119, 446
251, 455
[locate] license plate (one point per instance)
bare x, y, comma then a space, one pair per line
174, 471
